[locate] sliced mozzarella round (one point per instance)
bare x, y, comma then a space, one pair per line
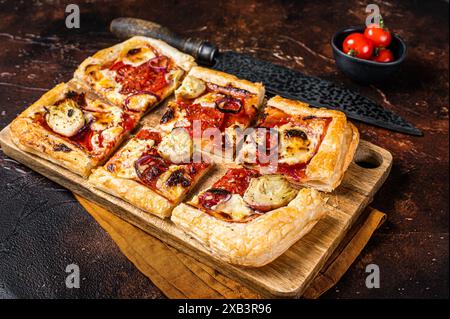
177, 146
269, 192
191, 88
66, 118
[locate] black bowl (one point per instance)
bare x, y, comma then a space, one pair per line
366, 71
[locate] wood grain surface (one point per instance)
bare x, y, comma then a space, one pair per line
287, 276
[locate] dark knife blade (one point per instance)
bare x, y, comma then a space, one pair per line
277, 79
314, 91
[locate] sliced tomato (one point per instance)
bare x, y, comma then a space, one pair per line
296, 172
148, 135
144, 77
274, 117
209, 116
128, 122
236, 180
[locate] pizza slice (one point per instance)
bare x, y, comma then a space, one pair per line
72, 128
136, 74
312, 147
209, 102
153, 171
250, 219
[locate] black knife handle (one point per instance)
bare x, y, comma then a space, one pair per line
202, 51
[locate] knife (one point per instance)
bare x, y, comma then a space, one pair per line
277, 79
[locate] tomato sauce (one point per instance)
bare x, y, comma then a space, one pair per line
82, 139
236, 180
146, 77
149, 135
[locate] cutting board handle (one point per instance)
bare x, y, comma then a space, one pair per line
202, 51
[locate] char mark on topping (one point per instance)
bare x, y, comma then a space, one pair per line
229, 89
62, 148
133, 51
78, 98
177, 177
111, 168
296, 133
168, 116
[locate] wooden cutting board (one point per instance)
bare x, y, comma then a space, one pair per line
287, 276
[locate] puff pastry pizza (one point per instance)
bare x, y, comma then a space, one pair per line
312, 147
72, 128
136, 74
250, 219
209, 99
152, 171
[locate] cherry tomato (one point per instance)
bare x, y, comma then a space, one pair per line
358, 46
383, 55
378, 34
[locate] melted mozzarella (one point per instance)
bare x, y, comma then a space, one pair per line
176, 146
66, 118
191, 88
179, 120
106, 120
269, 192
208, 100
295, 145
139, 56
235, 207
140, 102
128, 155
109, 136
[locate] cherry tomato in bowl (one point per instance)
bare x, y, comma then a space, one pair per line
383, 55
379, 35
367, 71
357, 45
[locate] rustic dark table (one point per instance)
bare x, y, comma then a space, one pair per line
43, 228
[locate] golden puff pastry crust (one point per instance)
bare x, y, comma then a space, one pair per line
327, 167
327, 164
29, 135
123, 177
258, 241
132, 192
106, 85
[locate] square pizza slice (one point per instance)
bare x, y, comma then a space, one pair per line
136, 74
214, 101
152, 171
72, 127
250, 219
310, 146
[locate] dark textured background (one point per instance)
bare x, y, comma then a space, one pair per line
43, 229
